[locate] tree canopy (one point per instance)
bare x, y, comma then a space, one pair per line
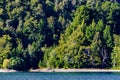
59, 34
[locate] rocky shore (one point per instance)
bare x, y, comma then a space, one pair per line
64, 70
7, 70
74, 70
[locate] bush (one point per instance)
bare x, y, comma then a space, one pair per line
6, 63
17, 63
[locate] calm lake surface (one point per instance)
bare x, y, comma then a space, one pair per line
60, 76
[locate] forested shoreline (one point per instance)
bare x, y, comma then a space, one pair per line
59, 34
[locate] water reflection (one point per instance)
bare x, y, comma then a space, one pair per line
60, 76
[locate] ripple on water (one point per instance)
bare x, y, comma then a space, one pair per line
59, 76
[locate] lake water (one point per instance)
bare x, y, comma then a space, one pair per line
60, 76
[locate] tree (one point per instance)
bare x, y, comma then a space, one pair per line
6, 63
116, 52
5, 48
108, 36
35, 55
74, 33
96, 45
90, 31
16, 63
100, 26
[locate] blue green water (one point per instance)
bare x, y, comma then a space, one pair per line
59, 76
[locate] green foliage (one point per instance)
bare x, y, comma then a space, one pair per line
59, 33
83, 12
100, 26
6, 63
115, 57
5, 47
116, 52
87, 41
16, 63
95, 50
90, 31
108, 36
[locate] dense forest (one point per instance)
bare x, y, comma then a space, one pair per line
59, 34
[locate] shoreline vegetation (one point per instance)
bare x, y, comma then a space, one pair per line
55, 34
63, 70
